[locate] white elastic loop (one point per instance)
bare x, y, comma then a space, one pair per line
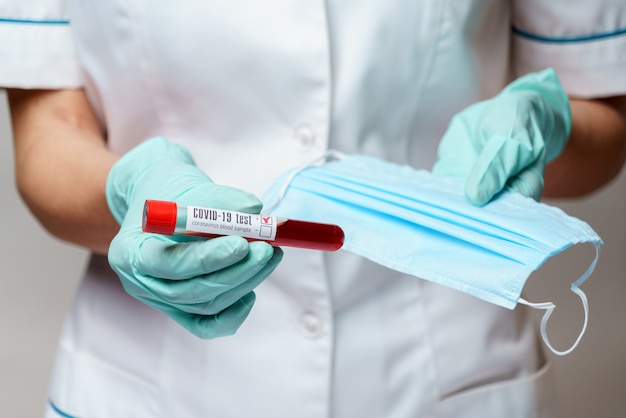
329, 155
549, 307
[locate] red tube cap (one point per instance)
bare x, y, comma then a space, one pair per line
159, 217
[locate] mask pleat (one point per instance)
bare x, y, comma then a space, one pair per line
415, 223
433, 211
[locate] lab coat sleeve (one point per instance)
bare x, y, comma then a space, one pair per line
584, 41
36, 49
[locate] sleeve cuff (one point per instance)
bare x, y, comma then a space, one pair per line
586, 67
38, 55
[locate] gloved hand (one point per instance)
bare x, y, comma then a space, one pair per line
204, 285
505, 142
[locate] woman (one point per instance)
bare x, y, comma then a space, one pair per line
252, 90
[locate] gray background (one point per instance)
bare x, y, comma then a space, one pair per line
40, 274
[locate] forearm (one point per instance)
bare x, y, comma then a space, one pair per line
62, 163
595, 151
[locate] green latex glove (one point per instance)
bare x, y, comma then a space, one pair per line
204, 285
504, 143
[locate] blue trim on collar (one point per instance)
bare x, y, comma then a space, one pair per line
58, 411
35, 21
572, 39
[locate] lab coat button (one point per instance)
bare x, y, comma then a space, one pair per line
310, 325
305, 135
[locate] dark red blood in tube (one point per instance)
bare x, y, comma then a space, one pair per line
311, 235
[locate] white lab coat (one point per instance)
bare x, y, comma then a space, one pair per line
253, 89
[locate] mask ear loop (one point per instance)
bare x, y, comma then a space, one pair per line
549, 307
329, 155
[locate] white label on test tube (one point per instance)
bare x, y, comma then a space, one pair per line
228, 222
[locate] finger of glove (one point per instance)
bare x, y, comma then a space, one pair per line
190, 186
256, 271
217, 196
142, 260
529, 182
166, 259
500, 159
201, 295
221, 324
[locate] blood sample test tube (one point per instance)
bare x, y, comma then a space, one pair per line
162, 217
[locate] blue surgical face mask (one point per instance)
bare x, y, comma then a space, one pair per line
419, 224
